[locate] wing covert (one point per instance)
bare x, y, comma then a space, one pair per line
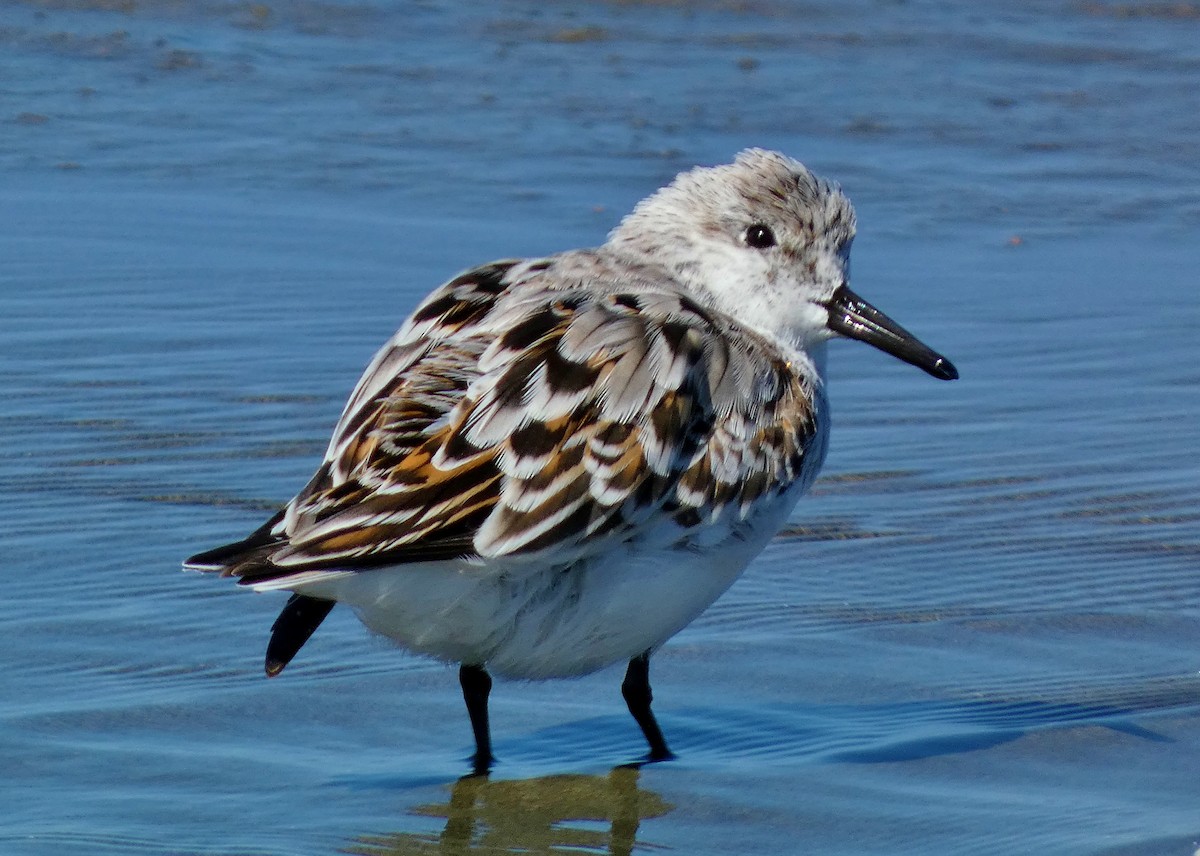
505, 419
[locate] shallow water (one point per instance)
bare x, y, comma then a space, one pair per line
979, 633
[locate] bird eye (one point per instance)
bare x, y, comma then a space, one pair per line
759, 236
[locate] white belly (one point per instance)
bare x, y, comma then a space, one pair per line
538, 621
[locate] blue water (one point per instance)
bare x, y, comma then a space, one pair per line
981, 631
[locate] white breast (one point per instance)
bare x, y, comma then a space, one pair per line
535, 620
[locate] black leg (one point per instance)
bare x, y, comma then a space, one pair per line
476, 684
636, 689
300, 617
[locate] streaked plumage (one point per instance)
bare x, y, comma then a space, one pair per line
556, 464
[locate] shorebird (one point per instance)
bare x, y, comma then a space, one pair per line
556, 464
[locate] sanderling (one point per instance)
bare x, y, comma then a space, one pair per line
556, 464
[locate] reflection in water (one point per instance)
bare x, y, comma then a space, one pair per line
543, 815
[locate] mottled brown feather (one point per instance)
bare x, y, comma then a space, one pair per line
619, 406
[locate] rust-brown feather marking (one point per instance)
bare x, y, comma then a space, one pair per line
517, 419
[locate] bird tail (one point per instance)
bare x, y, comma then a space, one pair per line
249, 559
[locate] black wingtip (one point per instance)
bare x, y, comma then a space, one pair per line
227, 555
217, 559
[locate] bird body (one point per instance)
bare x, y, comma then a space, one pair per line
556, 464
548, 620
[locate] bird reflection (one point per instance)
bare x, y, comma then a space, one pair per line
531, 816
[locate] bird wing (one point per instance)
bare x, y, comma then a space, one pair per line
507, 418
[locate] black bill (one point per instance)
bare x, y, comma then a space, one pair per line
853, 317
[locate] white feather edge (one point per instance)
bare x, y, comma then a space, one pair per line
293, 582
